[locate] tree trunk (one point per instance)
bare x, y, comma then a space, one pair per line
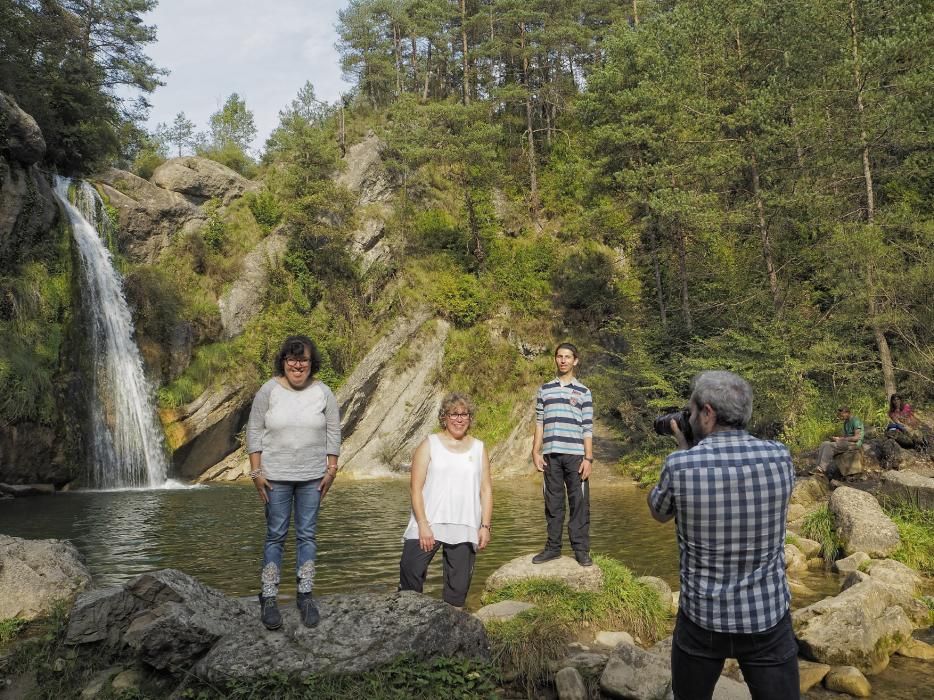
397, 43
635, 14
414, 63
658, 276
427, 72
764, 233
683, 272
466, 72
878, 332
533, 168
476, 242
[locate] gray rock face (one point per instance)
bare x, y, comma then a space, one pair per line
200, 179
859, 627
171, 621
20, 136
244, 300
635, 674
503, 610
391, 400
27, 207
851, 563
148, 216
203, 432
908, 486
364, 173
809, 491
31, 454
563, 569
36, 574
570, 685
861, 523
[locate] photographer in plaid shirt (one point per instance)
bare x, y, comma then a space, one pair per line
729, 497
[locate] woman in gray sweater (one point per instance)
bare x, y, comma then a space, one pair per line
293, 439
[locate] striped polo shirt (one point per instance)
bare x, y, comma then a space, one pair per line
729, 495
566, 413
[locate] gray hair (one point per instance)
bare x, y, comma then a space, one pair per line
727, 393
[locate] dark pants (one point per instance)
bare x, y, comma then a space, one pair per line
769, 660
561, 474
458, 561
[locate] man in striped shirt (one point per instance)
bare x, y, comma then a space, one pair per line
729, 497
562, 450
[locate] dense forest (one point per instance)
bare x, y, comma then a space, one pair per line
675, 186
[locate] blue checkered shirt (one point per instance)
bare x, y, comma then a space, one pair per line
729, 495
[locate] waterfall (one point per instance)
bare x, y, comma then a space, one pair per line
126, 445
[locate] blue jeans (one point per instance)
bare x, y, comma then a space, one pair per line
307, 500
769, 660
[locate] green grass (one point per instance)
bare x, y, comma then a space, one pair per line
916, 530
643, 468
10, 629
820, 526
404, 679
525, 646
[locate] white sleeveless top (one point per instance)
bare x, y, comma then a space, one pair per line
451, 493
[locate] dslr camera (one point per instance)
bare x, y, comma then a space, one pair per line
662, 424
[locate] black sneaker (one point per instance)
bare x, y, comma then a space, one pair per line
545, 555
583, 558
269, 612
308, 609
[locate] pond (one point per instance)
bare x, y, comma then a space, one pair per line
216, 534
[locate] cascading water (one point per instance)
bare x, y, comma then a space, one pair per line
126, 446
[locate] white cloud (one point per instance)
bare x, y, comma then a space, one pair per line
263, 51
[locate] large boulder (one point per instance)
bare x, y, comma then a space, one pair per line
859, 627
391, 400
861, 523
204, 432
809, 491
28, 209
200, 179
908, 486
21, 139
172, 622
244, 299
563, 569
37, 574
635, 674
148, 216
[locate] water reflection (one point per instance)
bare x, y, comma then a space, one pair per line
216, 533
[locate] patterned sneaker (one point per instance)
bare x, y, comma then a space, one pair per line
308, 609
269, 612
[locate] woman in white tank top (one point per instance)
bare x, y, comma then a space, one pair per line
452, 503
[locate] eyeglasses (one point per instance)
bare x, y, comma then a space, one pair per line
297, 361
459, 416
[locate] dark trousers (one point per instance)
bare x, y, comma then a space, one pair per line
769, 660
457, 569
561, 475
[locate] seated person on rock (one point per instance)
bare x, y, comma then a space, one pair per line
901, 416
852, 439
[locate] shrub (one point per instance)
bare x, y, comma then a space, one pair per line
821, 526
265, 208
916, 530
460, 298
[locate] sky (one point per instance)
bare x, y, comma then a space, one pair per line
264, 51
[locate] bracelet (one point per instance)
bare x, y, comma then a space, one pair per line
255, 473
331, 470
482, 525
589, 459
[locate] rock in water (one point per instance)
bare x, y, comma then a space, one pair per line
563, 569
173, 622
862, 524
36, 574
846, 679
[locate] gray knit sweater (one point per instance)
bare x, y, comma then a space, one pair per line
294, 429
